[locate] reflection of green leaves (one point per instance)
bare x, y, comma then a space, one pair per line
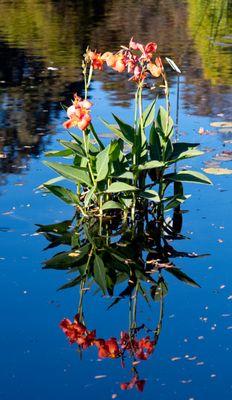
100, 273
159, 290
182, 276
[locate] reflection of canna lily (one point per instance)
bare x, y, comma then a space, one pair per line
77, 332
135, 382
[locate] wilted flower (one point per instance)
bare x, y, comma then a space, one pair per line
156, 68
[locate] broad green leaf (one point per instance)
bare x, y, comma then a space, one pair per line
117, 187
89, 196
71, 173
155, 141
151, 164
164, 122
151, 195
127, 130
111, 205
76, 148
93, 149
117, 132
64, 194
102, 164
149, 114
182, 276
185, 154
59, 153
126, 175
182, 147
51, 181
188, 176
99, 273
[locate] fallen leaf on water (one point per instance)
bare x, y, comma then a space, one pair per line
224, 156
221, 124
218, 171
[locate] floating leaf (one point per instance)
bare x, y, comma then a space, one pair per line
222, 124
218, 171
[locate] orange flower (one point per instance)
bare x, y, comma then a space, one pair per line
157, 68
115, 61
78, 114
96, 59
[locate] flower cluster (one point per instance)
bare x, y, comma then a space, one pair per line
78, 333
136, 59
141, 349
78, 114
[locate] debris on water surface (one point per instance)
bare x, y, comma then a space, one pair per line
175, 358
100, 376
218, 171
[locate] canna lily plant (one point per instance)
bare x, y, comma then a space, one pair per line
133, 173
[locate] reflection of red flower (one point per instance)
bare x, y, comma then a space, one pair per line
141, 349
135, 382
77, 332
107, 348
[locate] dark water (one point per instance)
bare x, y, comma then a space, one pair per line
41, 44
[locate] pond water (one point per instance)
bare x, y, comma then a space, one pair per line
41, 45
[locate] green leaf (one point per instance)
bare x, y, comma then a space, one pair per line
117, 187
164, 122
93, 149
149, 114
76, 148
184, 155
73, 174
151, 195
182, 276
188, 176
100, 273
102, 164
127, 130
59, 153
64, 194
155, 141
111, 205
117, 132
89, 196
151, 164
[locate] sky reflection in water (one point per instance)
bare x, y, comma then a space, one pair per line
43, 43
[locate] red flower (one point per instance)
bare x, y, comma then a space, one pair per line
96, 59
107, 348
77, 332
